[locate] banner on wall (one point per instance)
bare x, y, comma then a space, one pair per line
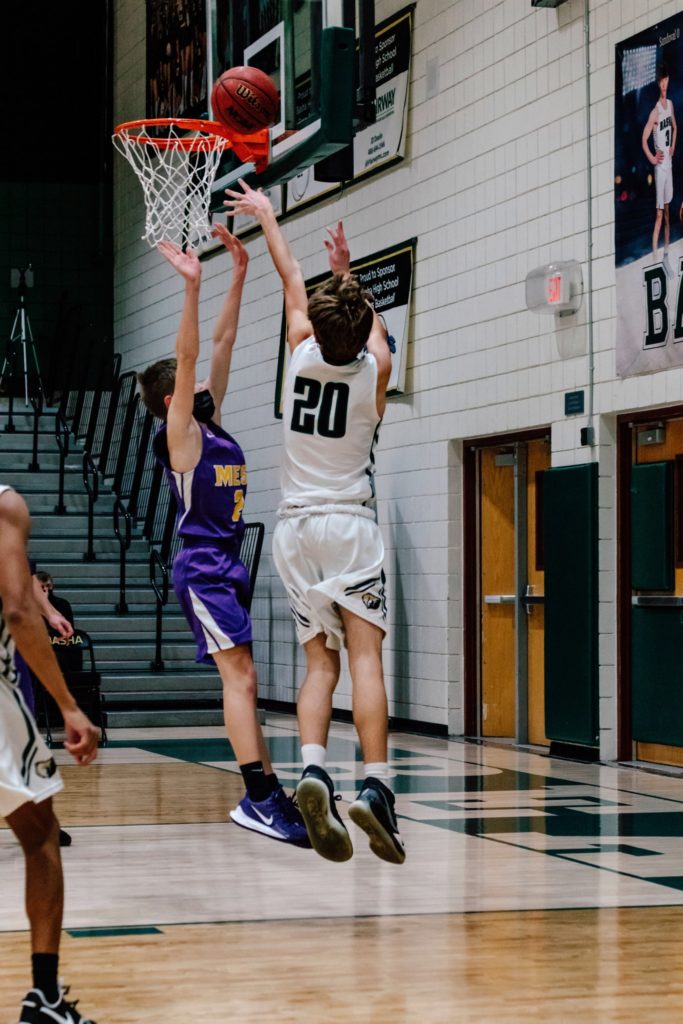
382, 144
648, 195
389, 276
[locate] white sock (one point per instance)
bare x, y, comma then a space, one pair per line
313, 753
378, 770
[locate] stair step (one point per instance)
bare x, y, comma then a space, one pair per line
156, 717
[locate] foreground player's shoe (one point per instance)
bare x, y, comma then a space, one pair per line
35, 1009
277, 817
326, 830
373, 811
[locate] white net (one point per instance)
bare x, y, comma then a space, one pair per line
176, 174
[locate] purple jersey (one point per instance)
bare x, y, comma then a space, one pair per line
211, 496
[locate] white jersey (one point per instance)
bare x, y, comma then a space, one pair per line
330, 429
662, 133
8, 673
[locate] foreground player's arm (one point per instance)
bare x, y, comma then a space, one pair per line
183, 431
657, 157
225, 331
26, 625
257, 204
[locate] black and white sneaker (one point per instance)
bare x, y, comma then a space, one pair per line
316, 800
373, 811
35, 1009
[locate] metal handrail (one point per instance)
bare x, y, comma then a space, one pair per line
155, 560
37, 403
62, 434
91, 482
124, 543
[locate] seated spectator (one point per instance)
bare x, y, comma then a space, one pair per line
67, 647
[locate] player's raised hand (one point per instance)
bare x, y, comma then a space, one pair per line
186, 263
250, 202
240, 256
338, 250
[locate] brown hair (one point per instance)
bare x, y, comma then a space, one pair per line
341, 318
157, 381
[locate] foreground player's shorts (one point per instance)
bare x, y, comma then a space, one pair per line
28, 772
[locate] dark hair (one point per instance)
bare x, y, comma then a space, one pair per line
662, 72
157, 381
45, 577
341, 318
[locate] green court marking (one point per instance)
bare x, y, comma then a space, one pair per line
102, 933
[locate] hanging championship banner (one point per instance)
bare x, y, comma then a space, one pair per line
389, 276
382, 144
647, 198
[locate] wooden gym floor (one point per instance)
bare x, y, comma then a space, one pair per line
533, 890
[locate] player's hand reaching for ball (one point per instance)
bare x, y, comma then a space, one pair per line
338, 250
186, 263
249, 202
240, 256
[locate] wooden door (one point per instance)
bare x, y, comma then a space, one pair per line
497, 538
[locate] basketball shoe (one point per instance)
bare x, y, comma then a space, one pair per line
326, 830
35, 1009
373, 811
277, 816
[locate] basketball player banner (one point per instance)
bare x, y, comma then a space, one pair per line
648, 196
382, 144
389, 276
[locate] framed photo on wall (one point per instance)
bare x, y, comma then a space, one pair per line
176, 58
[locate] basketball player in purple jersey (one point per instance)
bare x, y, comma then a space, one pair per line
327, 546
206, 472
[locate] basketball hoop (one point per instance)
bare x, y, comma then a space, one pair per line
176, 160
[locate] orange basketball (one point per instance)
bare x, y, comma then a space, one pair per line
244, 99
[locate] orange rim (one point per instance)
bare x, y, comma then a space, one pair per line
208, 129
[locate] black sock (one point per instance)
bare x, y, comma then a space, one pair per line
259, 785
45, 967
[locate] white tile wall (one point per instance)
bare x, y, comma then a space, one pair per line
494, 184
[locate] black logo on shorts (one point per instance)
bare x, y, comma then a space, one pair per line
372, 601
45, 769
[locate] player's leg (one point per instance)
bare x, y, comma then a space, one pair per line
315, 791
373, 808
657, 228
37, 829
265, 808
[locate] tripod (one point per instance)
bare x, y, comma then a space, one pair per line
20, 334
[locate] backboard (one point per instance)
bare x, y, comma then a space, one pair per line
309, 48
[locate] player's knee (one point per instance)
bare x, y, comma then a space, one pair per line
37, 829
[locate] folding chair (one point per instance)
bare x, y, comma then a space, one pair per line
84, 683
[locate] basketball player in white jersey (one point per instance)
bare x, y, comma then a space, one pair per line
661, 125
28, 774
327, 546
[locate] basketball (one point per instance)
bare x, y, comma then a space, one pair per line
244, 100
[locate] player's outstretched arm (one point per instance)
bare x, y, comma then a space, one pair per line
225, 330
257, 204
26, 625
378, 346
184, 435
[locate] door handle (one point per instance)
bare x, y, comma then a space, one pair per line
499, 599
657, 601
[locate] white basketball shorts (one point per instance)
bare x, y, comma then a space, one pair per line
329, 560
27, 769
664, 185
